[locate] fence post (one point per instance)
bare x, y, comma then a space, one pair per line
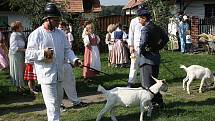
195, 30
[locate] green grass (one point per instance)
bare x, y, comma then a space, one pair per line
180, 105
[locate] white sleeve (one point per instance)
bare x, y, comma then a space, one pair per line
33, 53
70, 37
98, 39
107, 38
112, 36
13, 43
124, 36
68, 52
131, 34
86, 40
84, 33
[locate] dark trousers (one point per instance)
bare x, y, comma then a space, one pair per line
147, 81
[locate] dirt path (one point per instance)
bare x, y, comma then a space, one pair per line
30, 106
93, 98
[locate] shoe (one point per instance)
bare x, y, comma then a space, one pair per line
21, 90
80, 105
62, 108
34, 91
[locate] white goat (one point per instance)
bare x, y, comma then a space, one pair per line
127, 97
197, 72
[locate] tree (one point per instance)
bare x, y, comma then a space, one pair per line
160, 11
32, 8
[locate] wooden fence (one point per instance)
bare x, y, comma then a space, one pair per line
6, 33
103, 22
207, 25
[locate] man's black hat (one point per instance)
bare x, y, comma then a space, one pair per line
51, 11
142, 11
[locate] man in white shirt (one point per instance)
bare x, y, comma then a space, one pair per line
133, 44
47, 47
69, 82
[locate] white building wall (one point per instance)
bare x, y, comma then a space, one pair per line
197, 8
13, 16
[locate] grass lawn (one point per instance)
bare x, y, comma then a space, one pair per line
180, 105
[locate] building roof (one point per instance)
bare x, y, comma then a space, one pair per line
77, 6
132, 4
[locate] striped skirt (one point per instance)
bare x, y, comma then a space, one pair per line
30, 74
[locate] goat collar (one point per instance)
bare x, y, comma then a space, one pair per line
147, 89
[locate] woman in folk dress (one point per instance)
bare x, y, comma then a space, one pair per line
4, 62
91, 53
17, 56
119, 52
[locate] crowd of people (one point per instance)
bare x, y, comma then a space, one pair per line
47, 57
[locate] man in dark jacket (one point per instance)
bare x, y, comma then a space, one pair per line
152, 39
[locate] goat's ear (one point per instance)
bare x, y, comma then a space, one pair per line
154, 78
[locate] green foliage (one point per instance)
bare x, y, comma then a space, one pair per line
111, 10
32, 8
160, 11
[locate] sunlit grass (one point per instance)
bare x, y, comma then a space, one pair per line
180, 105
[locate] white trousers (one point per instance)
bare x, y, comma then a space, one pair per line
69, 84
52, 95
134, 68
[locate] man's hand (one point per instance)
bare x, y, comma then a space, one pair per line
48, 53
131, 48
78, 63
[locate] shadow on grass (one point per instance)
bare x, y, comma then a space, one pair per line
172, 109
155, 115
19, 109
90, 87
209, 101
13, 97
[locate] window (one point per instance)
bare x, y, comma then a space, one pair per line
3, 21
88, 5
209, 10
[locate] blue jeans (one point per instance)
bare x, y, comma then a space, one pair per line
183, 43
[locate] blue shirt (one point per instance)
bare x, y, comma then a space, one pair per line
183, 28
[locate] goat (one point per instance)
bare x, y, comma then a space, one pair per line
127, 97
197, 72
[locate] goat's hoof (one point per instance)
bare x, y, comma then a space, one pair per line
184, 89
188, 93
200, 91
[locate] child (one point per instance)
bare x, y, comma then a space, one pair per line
30, 76
188, 41
109, 42
91, 52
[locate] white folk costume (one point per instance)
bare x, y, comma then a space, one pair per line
69, 82
17, 58
134, 41
91, 55
109, 42
50, 74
